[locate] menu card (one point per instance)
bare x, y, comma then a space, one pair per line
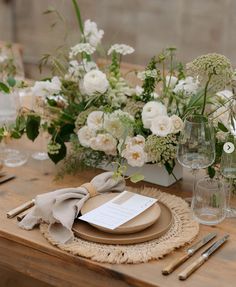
119, 210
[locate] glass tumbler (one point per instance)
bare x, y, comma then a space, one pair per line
209, 201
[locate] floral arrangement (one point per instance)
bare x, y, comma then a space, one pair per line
106, 119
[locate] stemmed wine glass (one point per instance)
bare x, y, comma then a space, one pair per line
196, 148
228, 169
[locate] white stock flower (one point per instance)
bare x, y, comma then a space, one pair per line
46, 88
95, 120
150, 111
121, 49
114, 126
104, 142
135, 155
95, 81
171, 81
161, 126
92, 34
84, 135
188, 86
177, 124
81, 48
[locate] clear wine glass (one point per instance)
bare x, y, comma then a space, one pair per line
228, 169
196, 148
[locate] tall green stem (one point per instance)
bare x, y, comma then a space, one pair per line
78, 15
205, 94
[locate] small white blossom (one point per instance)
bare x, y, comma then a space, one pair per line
104, 142
47, 88
95, 120
188, 86
161, 126
121, 49
147, 74
171, 81
92, 34
95, 81
84, 135
135, 155
177, 124
150, 111
81, 48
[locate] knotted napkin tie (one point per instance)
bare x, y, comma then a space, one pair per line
59, 208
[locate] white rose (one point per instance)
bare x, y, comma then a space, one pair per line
134, 155
95, 81
104, 142
84, 135
137, 140
150, 111
95, 120
92, 34
114, 127
188, 86
171, 81
161, 126
177, 124
46, 88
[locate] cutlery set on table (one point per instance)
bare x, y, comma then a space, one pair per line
4, 177
191, 251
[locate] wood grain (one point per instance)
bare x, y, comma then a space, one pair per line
176, 263
29, 253
191, 268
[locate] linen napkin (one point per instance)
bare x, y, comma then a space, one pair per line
60, 207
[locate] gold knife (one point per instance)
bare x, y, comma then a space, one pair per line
202, 259
14, 212
189, 252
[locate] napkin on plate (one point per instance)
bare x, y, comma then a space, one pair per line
60, 207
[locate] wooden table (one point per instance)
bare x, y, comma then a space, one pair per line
28, 253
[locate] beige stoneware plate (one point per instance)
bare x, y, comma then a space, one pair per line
140, 222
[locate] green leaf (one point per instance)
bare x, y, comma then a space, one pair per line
61, 152
11, 82
78, 15
211, 171
222, 127
169, 167
136, 177
32, 127
4, 88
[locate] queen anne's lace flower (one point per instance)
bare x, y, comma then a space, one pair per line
121, 49
215, 65
81, 48
92, 34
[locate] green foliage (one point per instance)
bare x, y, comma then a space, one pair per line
4, 88
32, 126
222, 127
136, 177
61, 151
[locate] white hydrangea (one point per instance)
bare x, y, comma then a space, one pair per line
135, 155
150, 111
85, 134
171, 81
104, 142
81, 48
95, 120
187, 86
177, 124
161, 126
121, 49
47, 88
95, 81
92, 34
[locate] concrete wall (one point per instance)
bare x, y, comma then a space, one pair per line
194, 26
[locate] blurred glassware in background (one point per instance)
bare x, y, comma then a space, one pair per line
228, 170
209, 201
9, 105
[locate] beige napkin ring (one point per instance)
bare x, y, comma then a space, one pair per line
90, 188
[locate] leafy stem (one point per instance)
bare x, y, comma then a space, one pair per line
78, 15
205, 93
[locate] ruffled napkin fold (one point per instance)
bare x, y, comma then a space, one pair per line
60, 207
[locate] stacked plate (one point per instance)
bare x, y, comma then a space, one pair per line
150, 224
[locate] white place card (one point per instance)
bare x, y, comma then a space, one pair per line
119, 210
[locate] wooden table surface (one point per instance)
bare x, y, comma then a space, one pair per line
29, 253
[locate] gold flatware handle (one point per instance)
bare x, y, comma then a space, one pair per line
174, 264
23, 214
191, 268
12, 213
